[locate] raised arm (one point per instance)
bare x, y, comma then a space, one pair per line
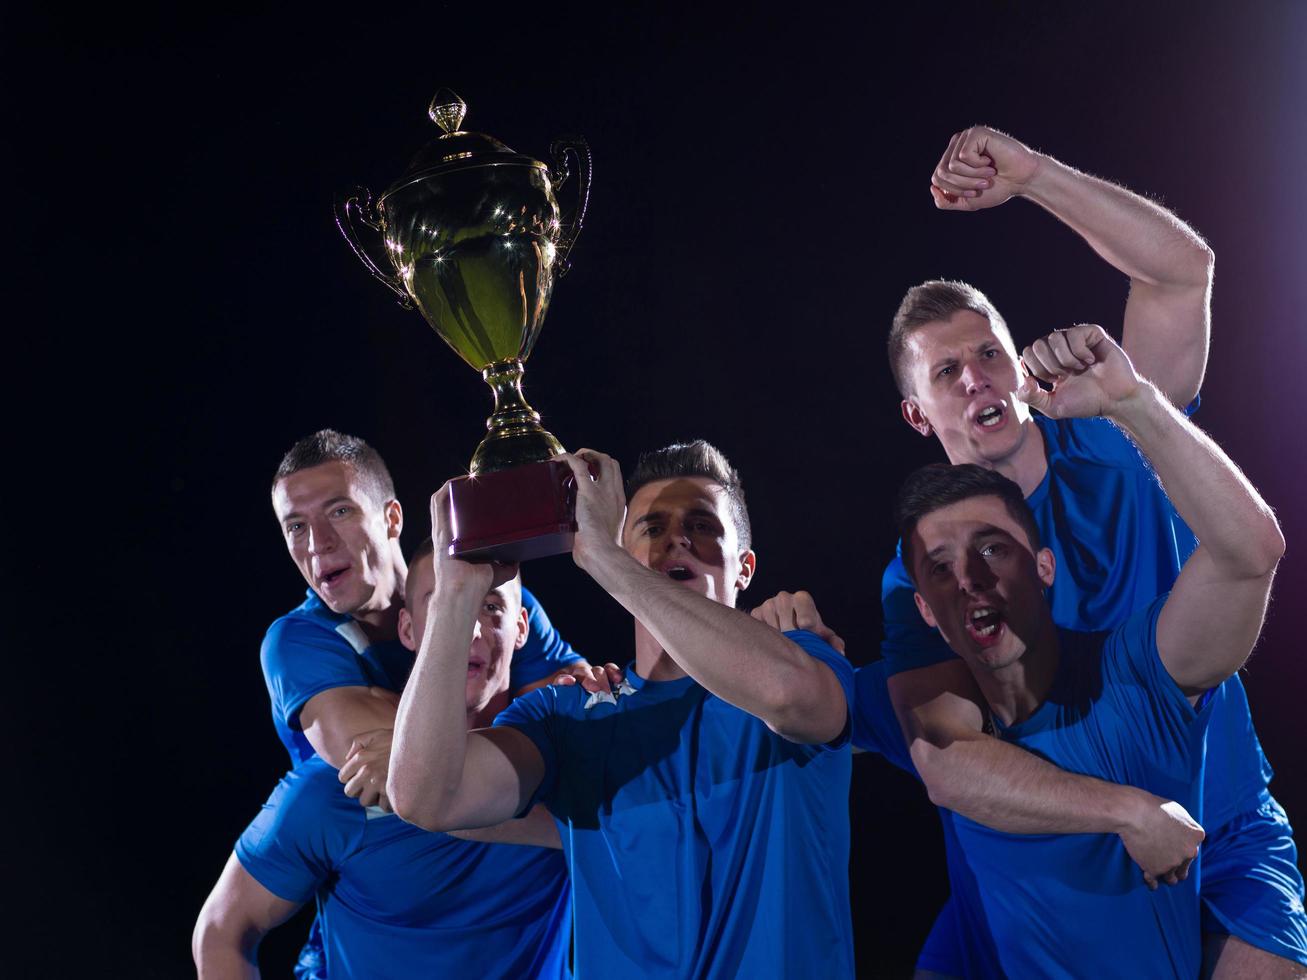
443, 777
739, 659
1167, 316
1214, 613
238, 913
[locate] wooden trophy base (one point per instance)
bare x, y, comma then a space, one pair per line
514, 515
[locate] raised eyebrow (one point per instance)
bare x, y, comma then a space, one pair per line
653, 515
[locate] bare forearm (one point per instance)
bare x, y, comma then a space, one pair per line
334, 718
1235, 525
220, 957
427, 760
736, 657
1011, 790
1142, 239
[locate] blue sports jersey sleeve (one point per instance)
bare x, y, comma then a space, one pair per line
536, 715
544, 652
817, 648
289, 846
909, 643
1096, 440
1149, 701
301, 658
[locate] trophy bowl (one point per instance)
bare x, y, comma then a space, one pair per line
471, 235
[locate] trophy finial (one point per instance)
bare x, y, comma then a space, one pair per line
447, 110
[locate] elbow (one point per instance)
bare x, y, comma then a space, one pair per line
199, 936
808, 705
1275, 547
1204, 260
1267, 548
1275, 544
216, 940
1197, 264
415, 804
932, 766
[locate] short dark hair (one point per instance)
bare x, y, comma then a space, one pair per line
330, 446
932, 301
427, 547
941, 484
698, 458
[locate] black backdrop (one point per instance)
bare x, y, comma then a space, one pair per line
181, 308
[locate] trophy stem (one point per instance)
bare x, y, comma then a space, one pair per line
515, 434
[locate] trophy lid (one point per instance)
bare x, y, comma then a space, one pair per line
456, 148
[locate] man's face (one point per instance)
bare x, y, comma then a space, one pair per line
682, 528
963, 375
979, 580
501, 628
339, 537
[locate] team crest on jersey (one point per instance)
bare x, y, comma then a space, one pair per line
609, 697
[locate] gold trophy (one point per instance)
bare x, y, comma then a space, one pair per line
473, 235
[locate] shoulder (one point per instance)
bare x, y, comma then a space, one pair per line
1092, 440
895, 577
307, 799
1129, 652
303, 831
1141, 628
895, 582
817, 648
304, 623
550, 701
301, 630
313, 785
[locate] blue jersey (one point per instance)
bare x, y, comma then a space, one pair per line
397, 901
1119, 543
312, 649
701, 844
1076, 905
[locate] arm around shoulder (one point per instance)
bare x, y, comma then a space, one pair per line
1007, 788
332, 719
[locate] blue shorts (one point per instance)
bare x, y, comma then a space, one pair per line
1251, 887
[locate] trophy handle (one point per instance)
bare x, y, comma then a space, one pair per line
559, 173
359, 205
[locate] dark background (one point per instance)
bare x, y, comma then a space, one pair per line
180, 308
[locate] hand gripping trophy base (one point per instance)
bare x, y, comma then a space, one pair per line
518, 501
